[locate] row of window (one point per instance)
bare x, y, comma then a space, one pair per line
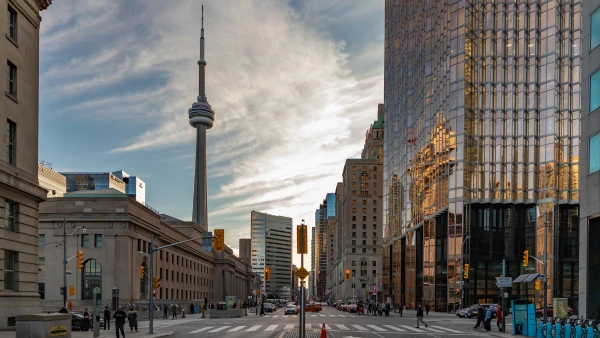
364, 202
11, 210
11, 142
189, 279
594, 142
364, 250
184, 295
364, 263
365, 227
144, 246
364, 168
85, 241
364, 210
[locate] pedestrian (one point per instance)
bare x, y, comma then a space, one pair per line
401, 309
166, 312
85, 322
192, 308
480, 317
106, 318
262, 308
427, 308
387, 309
369, 309
488, 319
500, 318
132, 318
420, 316
119, 317
174, 311
380, 309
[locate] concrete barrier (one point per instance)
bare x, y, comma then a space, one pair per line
44, 325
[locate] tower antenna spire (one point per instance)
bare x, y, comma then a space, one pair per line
202, 63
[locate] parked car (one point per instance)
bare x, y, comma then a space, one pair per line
540, 312
313, 307
270, 307
472, 310
291, 309
76, 319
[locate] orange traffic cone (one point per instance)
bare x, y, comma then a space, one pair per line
323, 332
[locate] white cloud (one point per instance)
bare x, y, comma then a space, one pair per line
289, 109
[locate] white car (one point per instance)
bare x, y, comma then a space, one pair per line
291, 309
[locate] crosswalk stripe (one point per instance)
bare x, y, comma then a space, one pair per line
327, 327
362, 328
202, 329
411, 328
322, 315
220, 329
289, 326
313, 315
254, 328
394, 328
434, 330
447, 329
271, 328
342, 327
237, 328
308, 326
377, 328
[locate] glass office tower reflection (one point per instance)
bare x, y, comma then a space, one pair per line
481, 148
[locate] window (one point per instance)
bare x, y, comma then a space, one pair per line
353, 242
374, 202
41, 263
364, 218
595, 153
364, 242
354, 218
374, 272
12, 23
374, 210
10, 221
353, 234
353, 192
374, 242
374, 226
161, 254
364, 235
139, 245
364, 250
353, 202
353, 272
595, 29
364, 210
98, 241
353, 210
11, 78
41, 240
374, 263
374, 234
364, 202
595, 91
11, 142
353, 263
160, 274
11, 267
167, 273
364, 286
374, 250
364, 168
353, 176
364, 226
354, 168
85, 241
42, 290
353, 226
91, 277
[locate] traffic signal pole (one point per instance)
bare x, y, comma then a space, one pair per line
64, 262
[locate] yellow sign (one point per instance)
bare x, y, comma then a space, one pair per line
302, 239
302, 273
219, 242
58, 331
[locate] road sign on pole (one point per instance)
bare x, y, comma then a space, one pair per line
504, 282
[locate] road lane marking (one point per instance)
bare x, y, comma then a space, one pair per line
271, 328
254, 328
395, 328
202, 329
237, 328
342, 327
289, 327
377, 328
414, 329
362, 328
447, 329
434, 330
220, 329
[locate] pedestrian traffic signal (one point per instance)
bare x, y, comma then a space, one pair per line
71, 291
538, 285
155, 283
79, 260
267, 273
525, 257
219, 241
466, 271
141, 272
347, 274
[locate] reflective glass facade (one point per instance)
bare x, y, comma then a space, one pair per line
482, 110
595, 91
595, 30
594, 154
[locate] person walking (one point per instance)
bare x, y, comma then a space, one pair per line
262, 309
387, 309
106, 318
400, 309
480, 317
119, 317
420, 316
488, 318
166, 312
427, 308
500, 318
132, 318
174, 311
85, 322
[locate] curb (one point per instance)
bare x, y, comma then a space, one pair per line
162, 334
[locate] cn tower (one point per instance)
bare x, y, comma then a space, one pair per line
201, 118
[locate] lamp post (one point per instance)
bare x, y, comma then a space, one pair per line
462, 272
65, 260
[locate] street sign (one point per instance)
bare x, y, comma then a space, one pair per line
374, 289
302, 273
504, 282
302, 239
68, 272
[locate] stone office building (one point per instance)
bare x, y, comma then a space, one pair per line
116, 243
20, 194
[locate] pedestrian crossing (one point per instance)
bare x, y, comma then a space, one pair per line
158, 324
334, 327
315, 315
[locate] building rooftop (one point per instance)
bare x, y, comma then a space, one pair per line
108, 193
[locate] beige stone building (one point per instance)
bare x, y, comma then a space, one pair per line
20, 194
53, 182
116, 243
373, 148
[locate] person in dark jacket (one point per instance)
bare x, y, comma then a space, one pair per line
106, 318
480, 317
120, 317
387, 309
132, 318
427, 309
166, 312
85, 322
420, 316
192, 308
262, 309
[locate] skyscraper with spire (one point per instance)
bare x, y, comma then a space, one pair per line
201, 117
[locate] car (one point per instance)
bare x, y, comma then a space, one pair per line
291, 309
269, 307
76, 319
313, 307
539, 312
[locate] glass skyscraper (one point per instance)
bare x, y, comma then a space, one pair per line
481, 152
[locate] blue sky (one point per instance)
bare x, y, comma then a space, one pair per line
294, 84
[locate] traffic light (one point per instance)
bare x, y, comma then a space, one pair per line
368, 292
267, 273
155, 283
525, 257
538, 285
79, 260
71, 291
141, 272
347, 274
302, 239
219, 240
154, 292
466, 272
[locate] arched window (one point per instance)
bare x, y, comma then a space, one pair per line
91, 277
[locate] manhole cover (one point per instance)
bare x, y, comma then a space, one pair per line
296, 334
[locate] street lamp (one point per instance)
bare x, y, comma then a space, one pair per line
65, 260
462, 272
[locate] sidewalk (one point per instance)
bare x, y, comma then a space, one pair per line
103, 334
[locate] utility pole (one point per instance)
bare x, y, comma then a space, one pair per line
503, 297
545, 266
64, 262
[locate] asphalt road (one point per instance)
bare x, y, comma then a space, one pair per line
338, 325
